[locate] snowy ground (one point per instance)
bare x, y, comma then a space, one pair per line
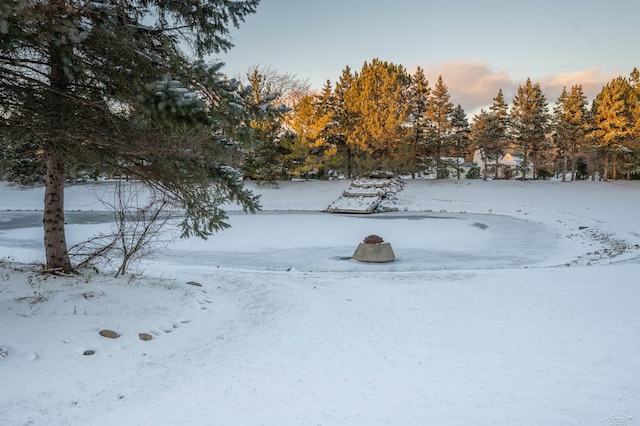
510, 303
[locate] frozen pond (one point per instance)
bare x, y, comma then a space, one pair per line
315, 241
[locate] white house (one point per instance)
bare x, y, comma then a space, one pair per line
507, 164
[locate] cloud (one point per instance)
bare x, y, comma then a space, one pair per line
474, 84
592, 81
471, 84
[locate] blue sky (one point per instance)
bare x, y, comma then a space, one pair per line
478, 46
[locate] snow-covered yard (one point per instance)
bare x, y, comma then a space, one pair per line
510, 303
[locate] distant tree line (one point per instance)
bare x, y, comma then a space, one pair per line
383, 118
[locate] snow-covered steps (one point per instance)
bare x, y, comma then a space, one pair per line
366, 196
354, 204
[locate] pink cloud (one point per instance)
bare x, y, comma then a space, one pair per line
471, 84
592, 81
474, 84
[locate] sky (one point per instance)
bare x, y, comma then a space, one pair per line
477, 46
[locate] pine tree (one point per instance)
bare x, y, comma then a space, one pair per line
308, 120
501, 131
418, 121
612, 122
377, 97
325, 106
634, 80
325, 102
460, 131
485, 134
633, 142
267, 161
107, 85
344, 119
570, 124
561, 142
439, 139
529, 122
489, 132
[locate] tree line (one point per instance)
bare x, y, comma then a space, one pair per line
382, 118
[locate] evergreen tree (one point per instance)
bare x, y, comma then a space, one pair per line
634, 80
570, 124
612, 122
418, 121
489, 133
107, 85
595, 156
561, 143
377, 97
633, 141
501, 131
460, 132
344, 119
325, 106
325, 102
439, 139
529, 122
485, 134
310, 150
267, 161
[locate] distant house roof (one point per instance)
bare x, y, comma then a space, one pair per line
508, 160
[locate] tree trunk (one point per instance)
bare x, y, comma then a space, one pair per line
564, 168
55, 243
614, 168
484, 169
534, 165
524, 165
573, 167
